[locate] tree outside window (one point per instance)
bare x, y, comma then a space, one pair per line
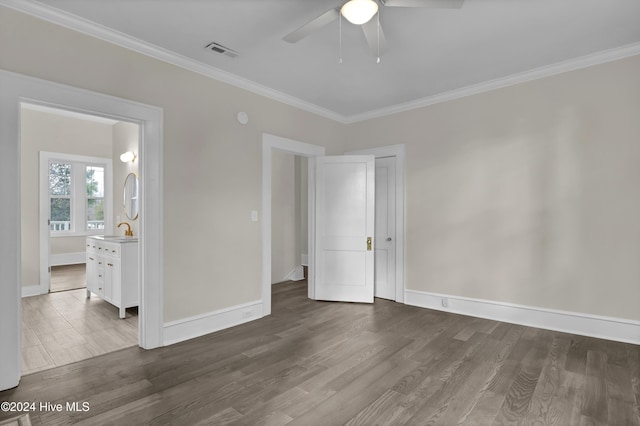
95, 197
60, 191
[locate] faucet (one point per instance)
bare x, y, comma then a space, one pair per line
128, 232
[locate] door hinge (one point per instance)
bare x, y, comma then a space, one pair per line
48, 222
49, 269
368, 243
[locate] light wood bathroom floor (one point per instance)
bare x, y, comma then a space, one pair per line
65, 327
68, 277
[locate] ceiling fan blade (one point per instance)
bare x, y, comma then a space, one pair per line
370, 30
312, 26
435, 4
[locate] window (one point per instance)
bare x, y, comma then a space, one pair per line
78, 194
60, 196
95, 197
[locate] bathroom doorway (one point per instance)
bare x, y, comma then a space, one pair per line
77, 194
17, 88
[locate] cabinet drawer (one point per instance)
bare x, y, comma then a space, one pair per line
92, 246
112, 250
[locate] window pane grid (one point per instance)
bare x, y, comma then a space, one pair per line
76, 196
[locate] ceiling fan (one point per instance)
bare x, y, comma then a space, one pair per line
361, 12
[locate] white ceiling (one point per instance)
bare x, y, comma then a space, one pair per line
430, 51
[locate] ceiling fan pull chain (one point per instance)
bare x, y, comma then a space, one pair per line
340, 25
378, 28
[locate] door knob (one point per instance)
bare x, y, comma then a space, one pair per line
388, 238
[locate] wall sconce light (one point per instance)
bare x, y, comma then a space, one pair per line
128, 157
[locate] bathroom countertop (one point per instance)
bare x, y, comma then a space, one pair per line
115, 238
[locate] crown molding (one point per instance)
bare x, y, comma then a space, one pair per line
85, 26
109, 35
510, 80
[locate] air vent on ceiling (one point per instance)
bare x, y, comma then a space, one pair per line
218, 48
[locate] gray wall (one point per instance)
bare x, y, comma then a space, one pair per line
527, 194
212, 164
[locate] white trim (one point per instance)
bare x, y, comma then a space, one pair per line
296, 274
269, 143
30, 290
601, 327
16, 88
510, 80
397, 151
127, 41
109, 35
199, 325
304, 259
70, 114
61, 259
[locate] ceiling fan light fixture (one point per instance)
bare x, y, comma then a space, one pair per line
359, 12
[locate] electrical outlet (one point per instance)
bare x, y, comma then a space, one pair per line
254, 215
445, 302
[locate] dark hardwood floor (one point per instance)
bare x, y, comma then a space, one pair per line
320, 363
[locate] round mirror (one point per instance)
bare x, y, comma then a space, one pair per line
131, 203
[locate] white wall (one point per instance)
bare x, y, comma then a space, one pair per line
42, 131
125, 138
288, 214
527, 194
283, 216
302, 200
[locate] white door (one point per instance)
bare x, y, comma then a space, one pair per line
344, 231
385, 235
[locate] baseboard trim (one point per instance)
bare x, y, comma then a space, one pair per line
602, 327
296, 274
68, 258
30, 290
199, 325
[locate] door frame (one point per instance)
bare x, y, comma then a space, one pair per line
269, 143
15, 89
397, 151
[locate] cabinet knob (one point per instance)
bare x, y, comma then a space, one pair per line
99, 276
110, 264
91, 258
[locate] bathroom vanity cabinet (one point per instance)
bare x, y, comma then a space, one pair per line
112, 270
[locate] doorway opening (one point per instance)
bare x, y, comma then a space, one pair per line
289, 233
18, 89
71, 191
272, 143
